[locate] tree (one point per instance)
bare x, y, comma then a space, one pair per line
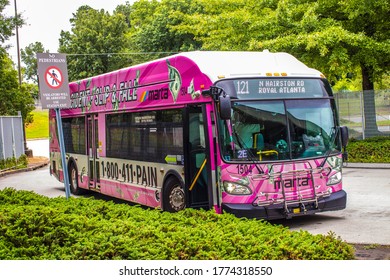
153, 29
7, 24
94, 43
136, 17
125, 10
369, 18
14, 99
336, 36
29, 58
229, 25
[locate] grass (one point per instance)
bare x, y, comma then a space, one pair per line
39, 128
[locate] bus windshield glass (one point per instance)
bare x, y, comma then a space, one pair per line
282, 129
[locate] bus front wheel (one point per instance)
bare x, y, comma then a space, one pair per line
174, 196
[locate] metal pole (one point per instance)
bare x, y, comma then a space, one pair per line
362, 112
62, 150
17, 45
2, 138
27, 151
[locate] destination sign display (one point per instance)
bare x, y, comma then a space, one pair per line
275, 88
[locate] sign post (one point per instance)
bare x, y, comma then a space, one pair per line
54, 93
62, 150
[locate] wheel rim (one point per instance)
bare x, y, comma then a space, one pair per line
73, 178
177, 199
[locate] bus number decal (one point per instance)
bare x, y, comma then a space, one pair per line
243, 169
130, 173
242, 87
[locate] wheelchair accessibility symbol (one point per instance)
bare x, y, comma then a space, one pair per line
53, 77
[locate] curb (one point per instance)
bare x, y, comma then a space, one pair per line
35, 166
366, 165
30, 167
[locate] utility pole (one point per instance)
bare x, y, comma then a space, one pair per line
17, 45
27, 151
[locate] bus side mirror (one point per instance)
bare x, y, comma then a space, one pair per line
225, 107
344, 141
344, 135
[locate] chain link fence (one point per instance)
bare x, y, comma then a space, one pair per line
366, 113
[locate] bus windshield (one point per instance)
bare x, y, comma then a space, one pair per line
271, 130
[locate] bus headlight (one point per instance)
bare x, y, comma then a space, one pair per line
236, 189
334, 179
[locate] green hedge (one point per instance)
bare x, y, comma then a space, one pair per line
14, 163
37, 227
370, 150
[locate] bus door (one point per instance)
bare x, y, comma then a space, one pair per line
93, 153
197, 163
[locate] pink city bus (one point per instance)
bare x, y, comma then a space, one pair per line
255, 134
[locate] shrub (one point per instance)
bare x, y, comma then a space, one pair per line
370, 150
14, 163
37, 227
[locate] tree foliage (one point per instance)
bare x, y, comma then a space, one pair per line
156, 32
228, 25
7, 23
94, 42
29, 58
339, 37
335, 36
14, 97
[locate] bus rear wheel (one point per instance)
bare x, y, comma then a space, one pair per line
174, 196
73, 180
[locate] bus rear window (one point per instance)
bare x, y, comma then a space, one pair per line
74, 135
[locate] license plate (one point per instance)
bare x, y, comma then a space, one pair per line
296, 210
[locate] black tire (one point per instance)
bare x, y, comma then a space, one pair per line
74, 180
174, 197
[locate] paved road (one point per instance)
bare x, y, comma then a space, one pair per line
39, 147
38, 181
365, 220
358, 119
367, 216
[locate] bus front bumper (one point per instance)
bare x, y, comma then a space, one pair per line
336, 201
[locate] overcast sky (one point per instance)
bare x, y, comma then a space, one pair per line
46, 18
